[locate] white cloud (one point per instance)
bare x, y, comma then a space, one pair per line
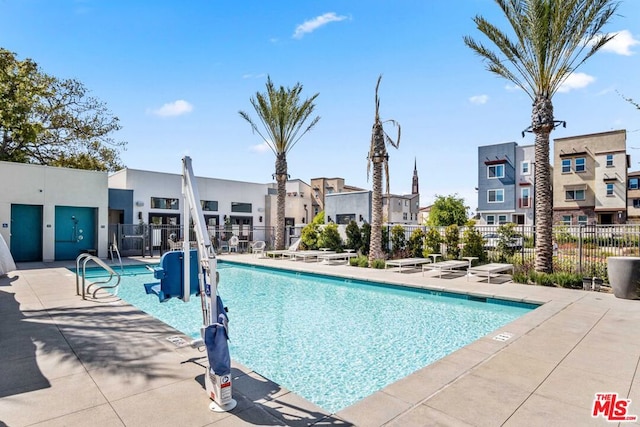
253, 76
621, 43
576, 81
171, 109
315, 23
512, 88
479, 99
261, 148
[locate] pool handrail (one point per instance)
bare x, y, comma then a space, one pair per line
87, 258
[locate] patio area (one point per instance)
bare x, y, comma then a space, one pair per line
66, 361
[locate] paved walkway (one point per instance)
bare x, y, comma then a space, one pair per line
69, 362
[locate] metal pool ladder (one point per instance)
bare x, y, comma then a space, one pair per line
85, 258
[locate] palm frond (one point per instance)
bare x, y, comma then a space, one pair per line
551, 39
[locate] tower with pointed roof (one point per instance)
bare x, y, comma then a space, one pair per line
414, 185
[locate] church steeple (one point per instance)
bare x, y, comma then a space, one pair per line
414, 185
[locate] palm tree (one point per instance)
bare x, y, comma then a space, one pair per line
552, 39
378, 157
282, 115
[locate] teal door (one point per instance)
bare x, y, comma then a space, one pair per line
26, 233
75, 231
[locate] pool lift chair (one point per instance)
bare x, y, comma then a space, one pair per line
182, 276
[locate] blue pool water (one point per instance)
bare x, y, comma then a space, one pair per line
329, 340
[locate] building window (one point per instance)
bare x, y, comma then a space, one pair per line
164, 203
345, 218
609, 189
491, 220
495, 171
609, 160
566, 219
495, 196
580, 164
566, 165
209, 205
525, 201
582, 220
404, 216
525, 168
636, 203
241, 207
633, 183
502, 219
574, 195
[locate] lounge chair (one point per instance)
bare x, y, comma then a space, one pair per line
305, 255
173, 245
328, 257
233, 243
257, 248
284, 252
489, 270
406, 262
447, 266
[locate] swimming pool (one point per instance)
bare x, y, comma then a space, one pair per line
329, 340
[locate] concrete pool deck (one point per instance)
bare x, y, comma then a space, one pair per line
69, 362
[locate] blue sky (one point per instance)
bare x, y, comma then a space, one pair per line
177, 73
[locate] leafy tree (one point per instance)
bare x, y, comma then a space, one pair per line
379, 158
51, 121
354, 236
398, 241
452, 240
283, 115
415, 245
330, 238
552, 39
448, 210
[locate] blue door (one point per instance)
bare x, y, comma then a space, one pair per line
75, 231
26, 233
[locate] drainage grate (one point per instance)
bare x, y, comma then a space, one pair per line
504, 336
177, 340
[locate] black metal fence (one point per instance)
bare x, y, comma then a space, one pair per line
154, 240
577, 249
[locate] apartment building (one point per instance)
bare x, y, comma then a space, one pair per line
590, 179
633, 197
505, 184
321, 187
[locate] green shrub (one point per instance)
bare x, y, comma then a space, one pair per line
354, 236
520, 277
385, 239
330, 238
398, 241
378, 263
452, 240
541, 279
310, 232
416, 243
473, 244
366, 237
359, 261
568, 280
432, 242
